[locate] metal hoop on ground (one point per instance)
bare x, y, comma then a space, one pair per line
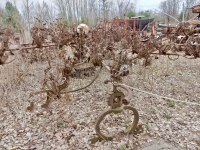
130, 129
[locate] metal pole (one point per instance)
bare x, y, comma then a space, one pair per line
167, 15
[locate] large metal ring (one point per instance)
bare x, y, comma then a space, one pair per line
130, 129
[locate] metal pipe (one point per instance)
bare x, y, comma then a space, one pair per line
167, 15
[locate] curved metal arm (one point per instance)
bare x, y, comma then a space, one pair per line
126, 100
133, 126
168, 15
88, 84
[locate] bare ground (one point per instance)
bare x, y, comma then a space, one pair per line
69, 122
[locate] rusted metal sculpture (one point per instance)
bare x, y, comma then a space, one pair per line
98, 45
117, 101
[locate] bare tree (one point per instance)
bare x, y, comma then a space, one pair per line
27, 7
39, 11
170, 7
60, 4
188, 4
122, 7
89, 11
66, 8
52, 12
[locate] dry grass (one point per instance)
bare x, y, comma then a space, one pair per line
68, 124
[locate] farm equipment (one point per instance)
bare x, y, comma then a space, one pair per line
135, 24
117, 100
103, 43
185, 36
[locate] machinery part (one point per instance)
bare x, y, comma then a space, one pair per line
130, 129
83, 70
126, 99
115, 99
133, 127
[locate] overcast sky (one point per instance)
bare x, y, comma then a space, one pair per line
141, 4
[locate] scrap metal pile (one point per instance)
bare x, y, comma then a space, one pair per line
109, 43
77, 50
184, 37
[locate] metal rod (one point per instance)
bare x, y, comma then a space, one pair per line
30, 47
167, 15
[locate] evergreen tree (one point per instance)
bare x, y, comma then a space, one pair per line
145, 13
130, 14
13, 17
